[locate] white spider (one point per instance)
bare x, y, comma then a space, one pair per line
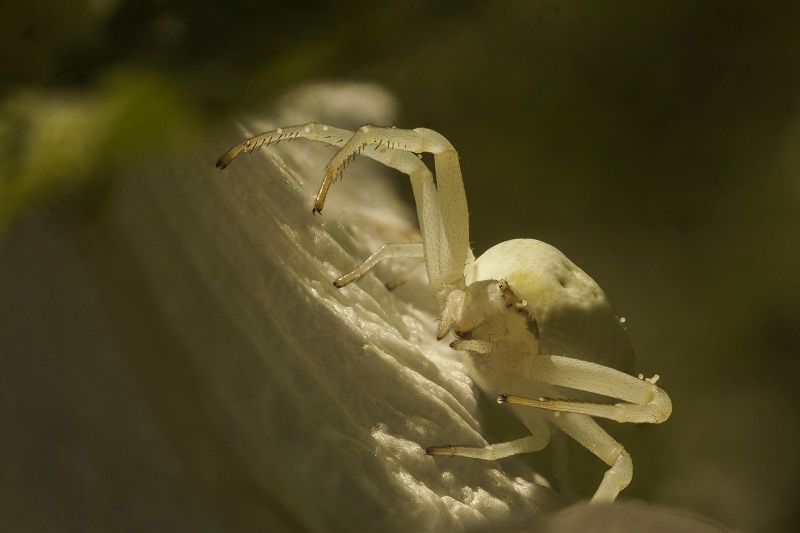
540, 333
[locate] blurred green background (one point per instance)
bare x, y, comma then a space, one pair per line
657, 144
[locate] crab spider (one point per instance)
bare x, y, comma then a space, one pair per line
540, 333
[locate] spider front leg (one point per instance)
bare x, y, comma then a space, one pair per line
493, 452
312, 131
595, 439
441, 208
644, 402
386, 251
421, 179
